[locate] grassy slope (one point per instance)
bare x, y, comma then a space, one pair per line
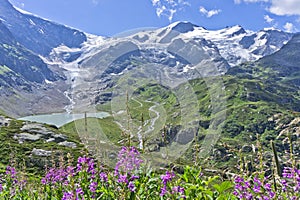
253, 97
11, 150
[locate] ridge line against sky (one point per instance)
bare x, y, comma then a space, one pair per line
110, 17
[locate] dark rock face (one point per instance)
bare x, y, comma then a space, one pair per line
238, 32
16, 59
273, 38
286, 61
184, 27
36, 34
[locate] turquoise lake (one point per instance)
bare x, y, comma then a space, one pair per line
60, 119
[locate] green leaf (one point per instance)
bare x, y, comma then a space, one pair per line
223, 186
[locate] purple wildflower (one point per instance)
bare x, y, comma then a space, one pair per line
167, 177
91, 167
163, 190
128, 160
256, 189
68, 196
93, 187
103, 177
122, 178
177, 189
133, 177
238, 179
131, 186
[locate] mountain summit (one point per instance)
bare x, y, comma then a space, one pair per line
183, 27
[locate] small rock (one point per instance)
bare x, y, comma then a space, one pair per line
4, 121
50, 140
41, 152
59, 137
68, 144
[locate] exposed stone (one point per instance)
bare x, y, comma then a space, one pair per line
68, 144
4, 121
50, 140
186, 136
41, 152
27, 137
59, 137
34, 129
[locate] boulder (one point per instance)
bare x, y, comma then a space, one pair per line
27, 137
41, 152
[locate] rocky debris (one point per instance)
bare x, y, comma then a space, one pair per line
68, 144
59, 137
32, 132
27, 137
41, 152
4, 121
39, 131
36, 128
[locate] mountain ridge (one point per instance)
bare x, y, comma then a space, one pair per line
37, 34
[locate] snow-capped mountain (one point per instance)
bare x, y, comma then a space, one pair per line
71, 61
235, 44
174, 54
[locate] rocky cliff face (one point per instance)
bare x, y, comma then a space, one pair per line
18, 60
36, 34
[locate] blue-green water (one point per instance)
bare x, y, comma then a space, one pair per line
60, 119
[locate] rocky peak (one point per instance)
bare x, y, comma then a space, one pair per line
183, 27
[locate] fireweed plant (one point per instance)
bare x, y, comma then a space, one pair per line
286, 187
131, 179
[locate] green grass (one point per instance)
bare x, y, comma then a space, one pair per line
12, 150
96, 128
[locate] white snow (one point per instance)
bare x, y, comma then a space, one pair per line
48, 82
31, 22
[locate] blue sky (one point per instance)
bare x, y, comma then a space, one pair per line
110, 17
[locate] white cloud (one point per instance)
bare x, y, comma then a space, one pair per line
155, 2
160, 10
172, 12
169, 8
208, 13
268, 19
285, 7
289, 27
278, 7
